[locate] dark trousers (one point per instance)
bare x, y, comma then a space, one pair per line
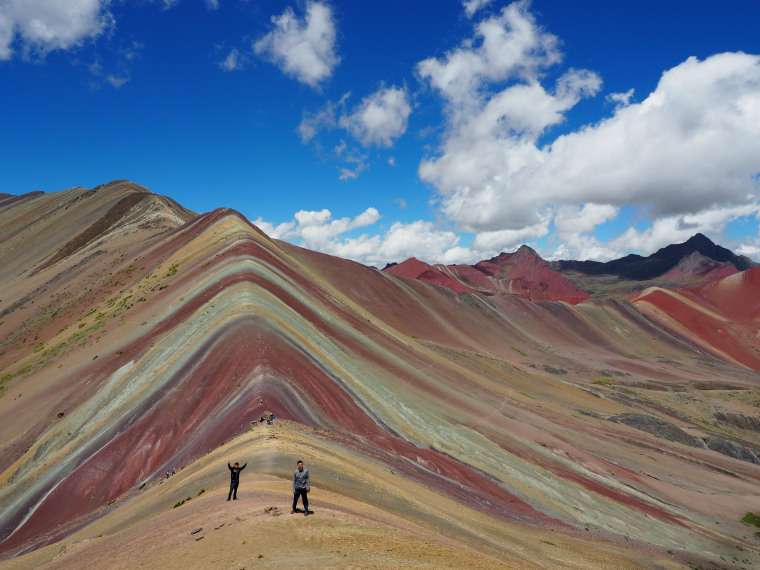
304, 494
233, 490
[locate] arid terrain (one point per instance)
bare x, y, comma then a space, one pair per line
515, 413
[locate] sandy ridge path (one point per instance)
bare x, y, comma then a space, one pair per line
359, 531
243, 534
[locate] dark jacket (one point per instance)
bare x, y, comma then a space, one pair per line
301, 480
235, 473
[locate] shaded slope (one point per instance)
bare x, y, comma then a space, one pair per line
494, 405
637, 267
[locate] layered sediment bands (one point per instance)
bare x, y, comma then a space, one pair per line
497, 403
723, 317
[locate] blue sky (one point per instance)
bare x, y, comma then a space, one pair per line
381, 130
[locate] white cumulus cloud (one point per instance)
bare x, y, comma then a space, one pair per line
41, 26
380, 118
473, 6
303, 48
621, 99
507, 45
232, 61
687, 150
317, 229
680, 227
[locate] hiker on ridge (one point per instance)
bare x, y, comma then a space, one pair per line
301, 488
234, 479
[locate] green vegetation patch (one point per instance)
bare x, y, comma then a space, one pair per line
603, 381
752, 519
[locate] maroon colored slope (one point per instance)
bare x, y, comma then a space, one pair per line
723, 315
523, 273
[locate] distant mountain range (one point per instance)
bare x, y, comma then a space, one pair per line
640, 268
525, 273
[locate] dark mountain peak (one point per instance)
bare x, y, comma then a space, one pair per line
642, 268
699, 239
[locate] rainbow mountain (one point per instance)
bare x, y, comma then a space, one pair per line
490, 422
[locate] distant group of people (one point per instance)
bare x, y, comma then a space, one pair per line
301, 485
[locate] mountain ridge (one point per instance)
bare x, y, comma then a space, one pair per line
592, 434
638, 267
558, 282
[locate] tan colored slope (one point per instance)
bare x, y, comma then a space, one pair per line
365, 517
60, 252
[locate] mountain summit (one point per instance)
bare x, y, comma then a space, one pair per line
523, 272
641, 268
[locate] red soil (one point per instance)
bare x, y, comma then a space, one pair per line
522, 273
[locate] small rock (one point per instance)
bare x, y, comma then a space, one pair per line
197, 530
732, 449
199, 538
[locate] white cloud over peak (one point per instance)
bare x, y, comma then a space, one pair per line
380, 118
42, 26
573, 226
583, 219
679, 228
493, 242
577, 243
303, 48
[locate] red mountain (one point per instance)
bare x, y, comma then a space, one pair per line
522, 273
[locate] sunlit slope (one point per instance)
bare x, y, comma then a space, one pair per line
367, 515
722, 317
496, 406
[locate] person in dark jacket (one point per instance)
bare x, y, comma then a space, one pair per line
234, 479
301, 488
